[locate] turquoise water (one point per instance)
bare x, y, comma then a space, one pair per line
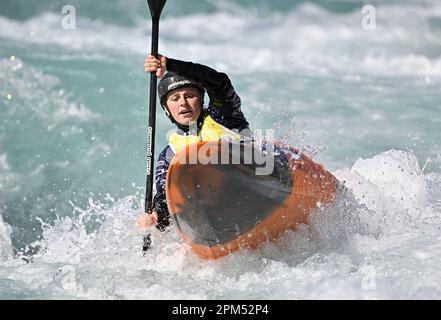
73, 119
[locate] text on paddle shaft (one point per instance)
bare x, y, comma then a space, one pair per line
149, 150
221, 309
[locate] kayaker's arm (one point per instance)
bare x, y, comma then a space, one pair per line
225, 105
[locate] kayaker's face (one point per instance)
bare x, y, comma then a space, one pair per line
184, 104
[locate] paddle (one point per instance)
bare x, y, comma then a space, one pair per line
156, 7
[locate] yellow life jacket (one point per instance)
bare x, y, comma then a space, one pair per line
210, 131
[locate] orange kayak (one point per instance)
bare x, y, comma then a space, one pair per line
220, 204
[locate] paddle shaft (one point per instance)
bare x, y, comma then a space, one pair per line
148, 205
155, 7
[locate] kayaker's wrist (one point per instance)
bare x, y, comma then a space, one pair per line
147, 220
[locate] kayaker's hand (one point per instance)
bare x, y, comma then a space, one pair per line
147, 220
151, 64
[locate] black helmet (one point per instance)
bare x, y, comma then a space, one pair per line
171, 81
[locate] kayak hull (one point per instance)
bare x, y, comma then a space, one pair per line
220, 203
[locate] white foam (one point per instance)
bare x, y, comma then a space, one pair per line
397, 256
46, 29
392, 186
397, 174
6, 250
307, 38
39, 93
409, 64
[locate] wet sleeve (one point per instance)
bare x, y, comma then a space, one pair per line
225, 105
160, 200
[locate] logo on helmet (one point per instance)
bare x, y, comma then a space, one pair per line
178, 84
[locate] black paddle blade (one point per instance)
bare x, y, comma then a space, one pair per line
156, 7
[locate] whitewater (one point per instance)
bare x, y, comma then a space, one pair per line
73, 120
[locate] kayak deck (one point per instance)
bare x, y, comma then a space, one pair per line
221, 206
